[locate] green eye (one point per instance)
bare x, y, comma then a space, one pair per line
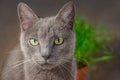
34, 42
59, 41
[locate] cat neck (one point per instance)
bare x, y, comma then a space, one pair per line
34, 72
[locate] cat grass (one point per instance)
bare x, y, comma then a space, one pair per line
90, 41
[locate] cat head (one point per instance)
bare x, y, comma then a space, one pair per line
50, 41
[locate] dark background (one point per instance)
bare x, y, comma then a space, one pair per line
100, 12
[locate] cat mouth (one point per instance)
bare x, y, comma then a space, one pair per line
43, 63
46, 65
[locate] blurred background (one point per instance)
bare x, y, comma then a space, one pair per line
100, 12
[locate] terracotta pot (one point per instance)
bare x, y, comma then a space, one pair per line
82, 73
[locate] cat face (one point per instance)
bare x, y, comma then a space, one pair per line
50, 41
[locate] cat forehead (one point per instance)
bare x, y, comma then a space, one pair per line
48, 27
49, 23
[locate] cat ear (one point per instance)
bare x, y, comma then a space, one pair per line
67, 13
26, 16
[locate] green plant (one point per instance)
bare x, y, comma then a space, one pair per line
89, 42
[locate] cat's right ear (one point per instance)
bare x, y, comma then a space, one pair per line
26, 16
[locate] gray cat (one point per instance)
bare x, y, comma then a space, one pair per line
46, 49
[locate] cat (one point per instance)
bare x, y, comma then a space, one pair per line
46, 48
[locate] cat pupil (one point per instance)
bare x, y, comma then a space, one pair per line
34, 40
58, 39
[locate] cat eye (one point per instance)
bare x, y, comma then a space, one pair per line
59, 41
34, 42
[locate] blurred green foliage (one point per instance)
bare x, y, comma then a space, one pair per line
90, 41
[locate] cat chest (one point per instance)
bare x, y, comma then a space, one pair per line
47, 75
51, 75
54, 74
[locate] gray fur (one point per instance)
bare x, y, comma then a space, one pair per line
26, 62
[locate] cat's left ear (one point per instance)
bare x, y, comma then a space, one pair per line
67, 14
26, 16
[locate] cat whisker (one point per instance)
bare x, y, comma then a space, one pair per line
13, 67
15, 63
66, 68
62, 72
21, 63
32, 67
65, 60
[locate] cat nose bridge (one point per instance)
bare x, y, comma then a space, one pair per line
45, 51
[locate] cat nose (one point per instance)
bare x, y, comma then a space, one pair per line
46, 56
45, 52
